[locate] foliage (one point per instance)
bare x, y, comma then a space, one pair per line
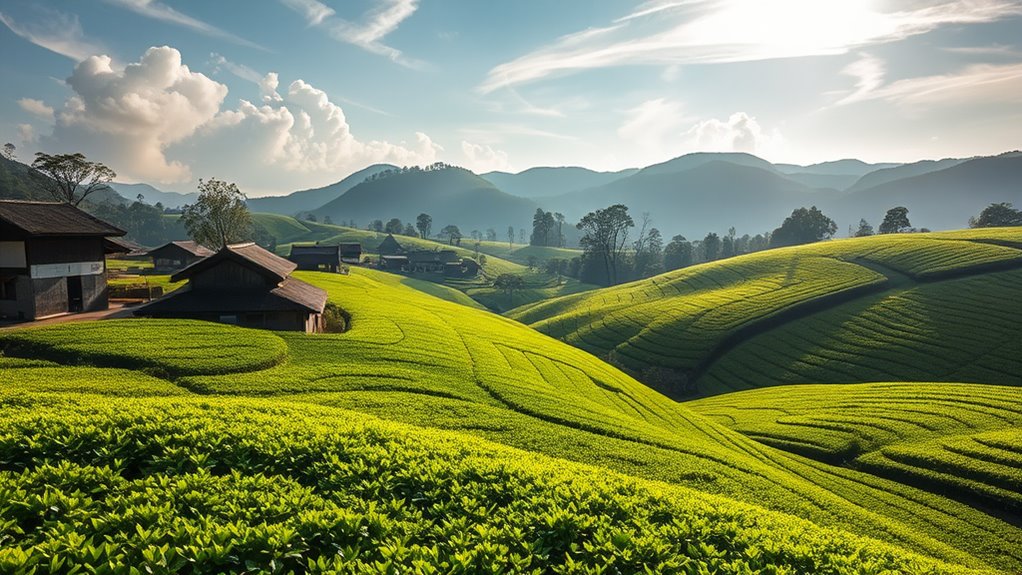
143, 223
424, 223
451, 233
895, 221
335, 319
219, 216
997, 215
604, 236
864, 229
803, 226
678, 254
8, 151
508, 283
546, 229
70, 178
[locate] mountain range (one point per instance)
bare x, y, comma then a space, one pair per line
692, 194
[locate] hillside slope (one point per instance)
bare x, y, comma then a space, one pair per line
883, 308
539, 182
451, 196
308, 200
416, 359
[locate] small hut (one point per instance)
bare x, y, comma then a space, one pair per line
316, 258
351, 252
178, 255
390, 246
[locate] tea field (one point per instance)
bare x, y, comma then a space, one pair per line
958, 439
451, 372
905, 307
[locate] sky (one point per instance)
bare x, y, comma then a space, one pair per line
283, 95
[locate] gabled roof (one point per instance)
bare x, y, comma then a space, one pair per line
297, 250
249, 255
291, 295
53, 219
389, 245
122, 246
194, 248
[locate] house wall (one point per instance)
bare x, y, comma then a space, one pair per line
23, 307
42, 251
228, 275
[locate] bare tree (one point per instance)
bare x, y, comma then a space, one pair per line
70, 178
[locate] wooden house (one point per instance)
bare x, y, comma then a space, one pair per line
390, 247
432, 261
52, 260
178, 255
394, 263
245, 285
316, 257
351, 252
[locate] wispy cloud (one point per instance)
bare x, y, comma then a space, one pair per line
368, 33
160, 11
869, 74
58, 32
37, 108
973, 85
719, 31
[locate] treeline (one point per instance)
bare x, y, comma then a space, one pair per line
434, 167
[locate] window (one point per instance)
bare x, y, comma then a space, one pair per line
7, 287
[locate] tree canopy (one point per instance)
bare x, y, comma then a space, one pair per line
895, 221
604, 236
996, 215
424, 223
219, 216
71, 177
803, 226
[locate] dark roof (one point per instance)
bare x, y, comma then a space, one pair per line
53, 219
350, 248
121, 246
389, 245
249, 255
290, 295
194, 248
314, 250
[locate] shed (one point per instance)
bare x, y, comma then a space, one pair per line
246, 285
177, 255
390, 246
52, 259
351, 252
316, 257
394, 263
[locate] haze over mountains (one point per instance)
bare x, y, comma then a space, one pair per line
692, 195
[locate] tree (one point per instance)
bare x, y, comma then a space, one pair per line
424, 223
451, 233
995, 215
542, 229
410, 230
677, 253
510, 237
394, 226
328, 221
509, 283
864, 229
711, 247
803, 226
895, 221
71, 177
8, 151
604, 236
219, 216
376, 226
310, 217
560, 224
491, 235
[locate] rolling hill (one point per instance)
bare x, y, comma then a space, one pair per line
152, 196
910, 307
19, 182
892, 174
451, 196
282, 428
308, 200
540, 182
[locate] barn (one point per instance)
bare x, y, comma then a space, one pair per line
177, 255
246, 285
316, 257
52, 260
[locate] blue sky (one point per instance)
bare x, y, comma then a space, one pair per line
280, 95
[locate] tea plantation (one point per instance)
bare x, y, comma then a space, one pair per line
903, 307
274, 462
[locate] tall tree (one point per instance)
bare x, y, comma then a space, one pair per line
995, 215
895, 221
71, 177
510, 237
219, 216
509, 283
677, 253
864, 229
451, 233
560, 225
424, 223
394, 226
803, 226
711, 247
410, 230
491, 235
604, 236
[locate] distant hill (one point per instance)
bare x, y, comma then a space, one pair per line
690, 161
837, 182
19, 182
152, 196
942, 199
308, 200
885, 175
846, 167
451, 196
539, 182
711, 196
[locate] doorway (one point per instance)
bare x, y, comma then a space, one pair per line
74, 294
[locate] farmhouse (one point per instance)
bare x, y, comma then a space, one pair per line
246, 285
52, 259
177, 255
316, 257
351, 252
390, 246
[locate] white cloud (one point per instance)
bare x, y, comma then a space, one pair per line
973, 85
869, 74
58, 32
739, 133
482, 158
160, 11
369, 32
717, 31
128, 118
36, 108
27, 134
653, 127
